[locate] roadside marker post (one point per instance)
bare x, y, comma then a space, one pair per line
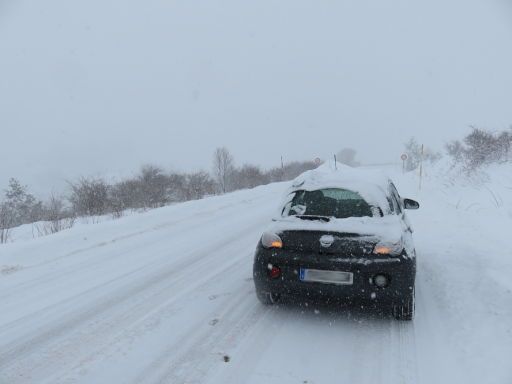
404, 158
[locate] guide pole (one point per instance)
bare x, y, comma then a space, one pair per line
404, 158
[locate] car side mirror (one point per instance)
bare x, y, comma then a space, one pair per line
411, 204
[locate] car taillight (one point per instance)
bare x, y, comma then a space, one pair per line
274, 271
382, 250
271, 240
388, 249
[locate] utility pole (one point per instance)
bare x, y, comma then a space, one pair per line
335, 163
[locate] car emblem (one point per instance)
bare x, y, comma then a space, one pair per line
326, 241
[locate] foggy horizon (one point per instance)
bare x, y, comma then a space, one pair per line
102, 88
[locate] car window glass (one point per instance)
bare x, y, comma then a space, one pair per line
396, 198
332, 202
392, 205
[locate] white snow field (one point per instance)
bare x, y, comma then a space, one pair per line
167, 297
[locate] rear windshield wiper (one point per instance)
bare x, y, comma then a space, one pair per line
313, 217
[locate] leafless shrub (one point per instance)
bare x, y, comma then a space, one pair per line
127, 194
198, 185
57, 217
481, 147
89, 197
46, 228
249, 176
154, 187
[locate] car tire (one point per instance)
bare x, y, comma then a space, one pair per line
405, 310
268, 298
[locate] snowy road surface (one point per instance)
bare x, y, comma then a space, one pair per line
167, 297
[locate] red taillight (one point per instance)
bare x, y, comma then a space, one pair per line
275, 272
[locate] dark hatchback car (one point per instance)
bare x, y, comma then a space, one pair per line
344, 234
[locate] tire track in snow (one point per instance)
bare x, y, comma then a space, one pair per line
203, 349
12, 355
405, 352
151, 321
247, 351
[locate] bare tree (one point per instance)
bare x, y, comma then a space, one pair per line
223, 166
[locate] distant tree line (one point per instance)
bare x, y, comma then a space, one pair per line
152, 187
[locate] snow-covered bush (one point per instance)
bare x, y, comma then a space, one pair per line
481, 147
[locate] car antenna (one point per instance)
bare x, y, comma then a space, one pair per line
335, 163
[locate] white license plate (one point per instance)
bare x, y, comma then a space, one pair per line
329, 277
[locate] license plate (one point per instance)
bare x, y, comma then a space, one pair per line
329, 277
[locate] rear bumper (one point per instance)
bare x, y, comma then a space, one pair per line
400, 270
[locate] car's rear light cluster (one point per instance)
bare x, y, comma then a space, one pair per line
392, 249
274, 271
271, 240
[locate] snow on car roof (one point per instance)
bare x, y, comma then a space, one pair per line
369, 183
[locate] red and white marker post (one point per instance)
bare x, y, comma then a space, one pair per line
404, 157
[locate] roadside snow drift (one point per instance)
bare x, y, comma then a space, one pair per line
167, 297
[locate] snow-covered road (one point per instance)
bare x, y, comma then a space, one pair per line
167, 297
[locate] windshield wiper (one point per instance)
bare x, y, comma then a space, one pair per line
314, 217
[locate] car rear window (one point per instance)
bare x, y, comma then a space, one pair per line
332, 202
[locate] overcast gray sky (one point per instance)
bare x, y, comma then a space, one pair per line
102, 86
